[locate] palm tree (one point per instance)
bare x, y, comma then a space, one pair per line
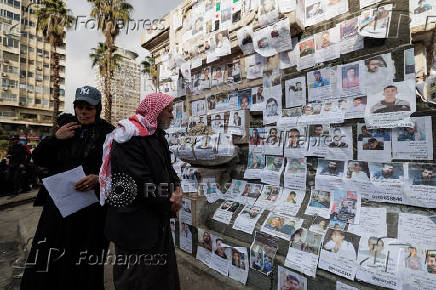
110, 14
99, 56
53, 20
149, 67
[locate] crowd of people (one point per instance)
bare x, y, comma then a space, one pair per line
18, 173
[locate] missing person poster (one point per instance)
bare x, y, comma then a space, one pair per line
378, 261
327, 45
185, 237
262, 42
268, 12
391, 106
262, 253
349, 79
375, 22
295, 173
255, 165
220, 256
239, 265
421, 11
236, 124
204, 248
254, 65
319, 204
225, 211
245, 39
329, 175
339, 253
205, 147
373, 144
321, 84
377, 72
417, 267
415, 142
295, 92
280, 36
250, 193
247, 219
273, 105
295, 142
345, 206
350, 39
273, 169
388, 181
185, 214
269, 197
281, 226
341, 145
305, 52
420, 185
290, 201
318, 140
304, 251
274, 141
290, 280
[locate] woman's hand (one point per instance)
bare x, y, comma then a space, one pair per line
67, 131
88, 182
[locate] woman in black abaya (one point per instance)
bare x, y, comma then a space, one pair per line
69, 253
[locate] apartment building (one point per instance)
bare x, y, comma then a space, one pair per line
26, 103
125, 86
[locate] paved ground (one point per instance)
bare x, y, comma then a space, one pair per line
18, 220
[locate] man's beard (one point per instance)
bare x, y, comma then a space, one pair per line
164, 125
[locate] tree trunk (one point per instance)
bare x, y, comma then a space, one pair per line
107, 81
55, 67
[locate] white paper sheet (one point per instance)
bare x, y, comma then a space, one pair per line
303, 252
339, 258
247, 219
239, 264
61, 189
420, 185
290, 201
415, 143
295, 173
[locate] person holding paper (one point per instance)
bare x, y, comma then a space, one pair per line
62, 246
144, 196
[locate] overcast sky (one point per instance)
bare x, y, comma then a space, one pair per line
80, 41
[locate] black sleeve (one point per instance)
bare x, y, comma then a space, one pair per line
45, 154
135, 159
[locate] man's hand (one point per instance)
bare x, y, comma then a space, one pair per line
67, 131
87, 183
176, 199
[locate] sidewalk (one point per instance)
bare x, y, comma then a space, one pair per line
10, 201
193, 274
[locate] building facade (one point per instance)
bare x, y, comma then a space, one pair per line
26, 104
125, 85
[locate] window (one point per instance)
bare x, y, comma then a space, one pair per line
30, 74
23, 34
29, 101
46, 90
8, 97
45, 102
31, 49
10, 69
46, 65
31, 36
62, 92
38, 50
22, 74
28, 116
45, 118
8, 41
46, 78
37, 101
39, 38
23, 86
38, 90
30, 87
22, 60
7, 114
31, 61
23, 48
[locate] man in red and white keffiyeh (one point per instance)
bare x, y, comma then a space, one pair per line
142, 191
150, 115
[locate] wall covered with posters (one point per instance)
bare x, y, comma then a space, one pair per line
303, 136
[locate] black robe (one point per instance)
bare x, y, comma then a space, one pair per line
69, 253
142, 227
